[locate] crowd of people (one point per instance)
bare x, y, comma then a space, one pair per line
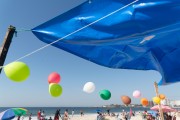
102, 116
124, 115
167, 116
41, 115
145, 115
57, 116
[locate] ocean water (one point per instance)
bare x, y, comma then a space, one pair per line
50, 111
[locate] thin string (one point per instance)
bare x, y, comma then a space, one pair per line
22, 30
77, 30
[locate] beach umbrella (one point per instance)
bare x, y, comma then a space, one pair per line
19, 111
7, 115
164, 108
98, 110
11, 113
153, 113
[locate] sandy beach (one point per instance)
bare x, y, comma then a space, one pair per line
94, 117
85, 117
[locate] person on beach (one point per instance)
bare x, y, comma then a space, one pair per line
108, 112
50, 118
19, 117
57, 115
72, 112
144, 114
39, 115
174, 117
81, 112
30, 116
123, 114
129, 115
99, 116
66, 116
43, 115
169, 117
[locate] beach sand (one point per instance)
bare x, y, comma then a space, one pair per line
85, 117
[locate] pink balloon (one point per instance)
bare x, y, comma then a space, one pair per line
54, 78
137, 94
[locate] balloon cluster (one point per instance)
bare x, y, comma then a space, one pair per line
144, 101
157, 99
55, 89
136, 94
89, 87
17, 71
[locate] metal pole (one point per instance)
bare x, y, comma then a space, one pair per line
6, 44
157, 95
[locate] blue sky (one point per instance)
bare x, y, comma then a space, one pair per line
74, 71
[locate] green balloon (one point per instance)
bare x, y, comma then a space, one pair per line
55, 89
105, 94
17, 71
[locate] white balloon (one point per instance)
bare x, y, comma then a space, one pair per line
89, 87
137, 94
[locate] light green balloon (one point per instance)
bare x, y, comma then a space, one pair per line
17, 71
55, 89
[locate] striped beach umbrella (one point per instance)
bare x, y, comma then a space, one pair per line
11, 113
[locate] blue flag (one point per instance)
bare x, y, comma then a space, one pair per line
127, 34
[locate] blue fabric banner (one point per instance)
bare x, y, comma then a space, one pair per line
127, 34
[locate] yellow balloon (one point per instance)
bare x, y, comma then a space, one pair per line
17, 71
156, 100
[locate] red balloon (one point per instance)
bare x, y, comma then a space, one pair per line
54, 78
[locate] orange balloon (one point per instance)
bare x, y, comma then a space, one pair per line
126, 100
144, 102
162, 96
